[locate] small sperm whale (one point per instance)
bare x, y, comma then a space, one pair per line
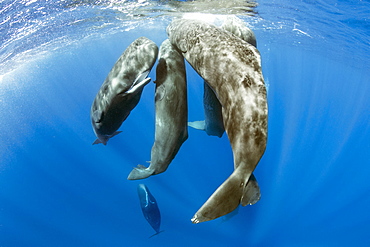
149, 207
171, 111
235, 75
122, 89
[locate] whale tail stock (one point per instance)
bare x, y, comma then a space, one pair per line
140, 172
228, 196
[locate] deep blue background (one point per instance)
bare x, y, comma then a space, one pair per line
56, 189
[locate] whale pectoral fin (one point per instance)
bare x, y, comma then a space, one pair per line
141, 77
252, 192
140, 172
137, 86
97, 116
115, 133
199, 125
97, 141
223, 201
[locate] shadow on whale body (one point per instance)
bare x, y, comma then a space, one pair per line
171, 112
149, 207
122, 89
235, 76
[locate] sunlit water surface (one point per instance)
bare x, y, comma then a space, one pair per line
56, 189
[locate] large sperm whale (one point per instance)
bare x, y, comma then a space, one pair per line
171, 111
122, 89
235, 75
213, 122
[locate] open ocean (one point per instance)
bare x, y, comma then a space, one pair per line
57, 189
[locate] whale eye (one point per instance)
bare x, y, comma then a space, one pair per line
182, 46
160, 92
161, 71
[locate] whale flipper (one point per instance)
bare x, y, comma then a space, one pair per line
140, 172
199, 125
139, 82
97, 141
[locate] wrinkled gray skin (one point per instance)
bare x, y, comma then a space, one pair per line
235, 76
121, 90
171, 111
213, 123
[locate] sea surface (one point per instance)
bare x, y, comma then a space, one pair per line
57, 189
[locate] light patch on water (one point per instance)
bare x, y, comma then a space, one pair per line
210, 18
300, 31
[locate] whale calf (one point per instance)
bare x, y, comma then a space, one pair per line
171, 112
235, 75
149, 207
122, 89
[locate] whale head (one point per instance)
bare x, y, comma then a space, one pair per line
114, 106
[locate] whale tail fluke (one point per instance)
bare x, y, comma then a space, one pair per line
140, 172
228, 196
199, 125
252, 192
105, 140
155, 234
224, 200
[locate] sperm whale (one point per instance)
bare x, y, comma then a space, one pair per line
171, 111
122, 89
235, 75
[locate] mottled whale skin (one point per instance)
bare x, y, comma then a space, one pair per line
213, 122
149, 207
122, 89
171, 111
235, 75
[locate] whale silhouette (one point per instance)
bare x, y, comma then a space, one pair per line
149, 207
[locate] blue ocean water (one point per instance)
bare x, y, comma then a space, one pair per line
56, 189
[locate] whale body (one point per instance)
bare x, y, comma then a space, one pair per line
122, 89
149, 207
171, 112
213, 123
235, 75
